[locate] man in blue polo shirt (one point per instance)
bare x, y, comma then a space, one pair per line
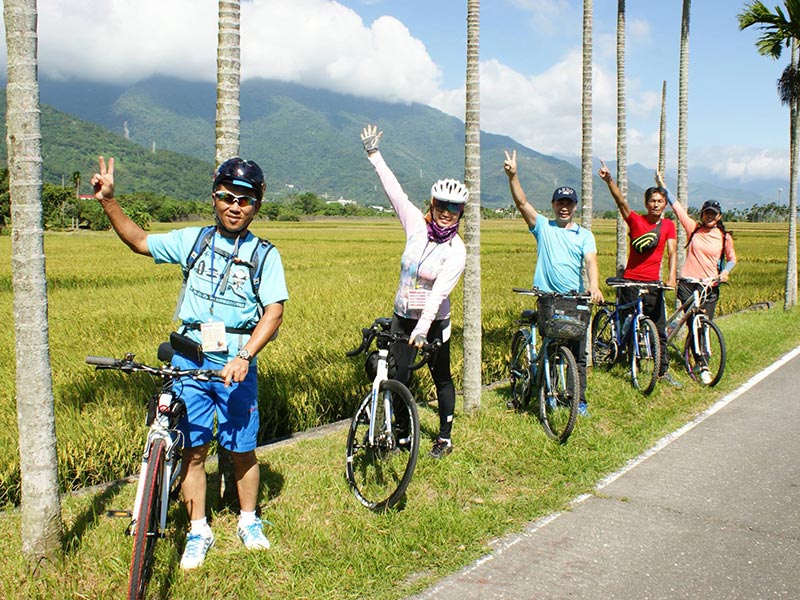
231, 319
564, 247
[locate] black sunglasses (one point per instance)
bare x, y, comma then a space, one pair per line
454, 208
229, 198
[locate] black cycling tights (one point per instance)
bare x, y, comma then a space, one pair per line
439, 368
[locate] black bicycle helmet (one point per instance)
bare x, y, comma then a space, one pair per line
241, 172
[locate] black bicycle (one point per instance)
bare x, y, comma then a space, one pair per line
383, 440
161, 460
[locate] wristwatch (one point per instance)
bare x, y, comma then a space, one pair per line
244, 354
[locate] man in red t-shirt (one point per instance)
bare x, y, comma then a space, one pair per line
649, 235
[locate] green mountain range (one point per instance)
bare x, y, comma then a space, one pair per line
161, 132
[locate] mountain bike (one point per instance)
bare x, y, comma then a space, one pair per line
161, 459
704, 351
383, 440
551, 368
636, 336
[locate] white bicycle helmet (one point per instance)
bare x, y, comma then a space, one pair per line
450, 190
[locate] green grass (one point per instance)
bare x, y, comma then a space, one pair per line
504, 472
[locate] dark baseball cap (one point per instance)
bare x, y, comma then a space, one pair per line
711, 205
565, 192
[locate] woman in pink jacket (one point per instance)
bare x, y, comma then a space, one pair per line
430, 267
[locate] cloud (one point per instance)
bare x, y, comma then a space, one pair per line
318, 43
743, 163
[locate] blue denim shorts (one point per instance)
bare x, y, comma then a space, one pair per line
235, 407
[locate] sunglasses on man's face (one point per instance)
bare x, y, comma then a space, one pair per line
454, 208
229, 198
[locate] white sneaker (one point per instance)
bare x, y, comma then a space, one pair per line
705, 377
253, 537
195, 551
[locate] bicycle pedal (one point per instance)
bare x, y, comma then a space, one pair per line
118, 514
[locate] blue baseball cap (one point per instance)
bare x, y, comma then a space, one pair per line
565, 192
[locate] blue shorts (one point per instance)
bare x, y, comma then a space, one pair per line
236, 408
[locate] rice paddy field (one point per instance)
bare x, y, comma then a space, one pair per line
104, 300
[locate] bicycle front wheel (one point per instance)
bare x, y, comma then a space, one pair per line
559, 394
645, 357
520, 369
144, 541
709, 355
380, 470
604, 344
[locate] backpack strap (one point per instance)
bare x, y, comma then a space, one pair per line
200, 243
257, 260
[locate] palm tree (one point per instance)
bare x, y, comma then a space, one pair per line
228, 80
780, 31
586, 118
683, 125
472, 216
662, 132
622, 142
41, 505
227, 146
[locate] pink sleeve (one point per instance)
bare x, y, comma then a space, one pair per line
409, 215
687, 221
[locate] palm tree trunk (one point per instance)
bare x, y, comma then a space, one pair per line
586, 119
622, 141
472, 216
790, 294
41, 505
227, 146
662, 133
683, 124
228, 78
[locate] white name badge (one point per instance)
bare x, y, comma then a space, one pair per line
417, 299
213, 335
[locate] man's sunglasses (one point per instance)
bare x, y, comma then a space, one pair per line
454, 208
229, 198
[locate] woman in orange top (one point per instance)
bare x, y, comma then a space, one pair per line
709, 250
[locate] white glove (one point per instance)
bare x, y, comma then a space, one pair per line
371, 137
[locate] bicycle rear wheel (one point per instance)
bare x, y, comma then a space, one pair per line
379, 471
646, 357
558, 400
710, 355
144, 541
604, 344
520, 369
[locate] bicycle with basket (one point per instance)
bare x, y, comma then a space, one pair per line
161, 459
549, 367
383, 439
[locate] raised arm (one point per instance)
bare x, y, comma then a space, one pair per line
517, 194
622, 204
128, 231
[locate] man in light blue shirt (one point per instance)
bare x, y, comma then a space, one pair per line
232, 320
564, 247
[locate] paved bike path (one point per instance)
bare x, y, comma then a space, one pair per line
712, 512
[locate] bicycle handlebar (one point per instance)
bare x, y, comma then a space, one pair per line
380, 329
618, 282
537, 292
128, 365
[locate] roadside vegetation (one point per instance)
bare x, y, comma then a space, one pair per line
341, 275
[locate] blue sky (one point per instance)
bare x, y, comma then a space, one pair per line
414, 51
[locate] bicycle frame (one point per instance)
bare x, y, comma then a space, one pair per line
381, 374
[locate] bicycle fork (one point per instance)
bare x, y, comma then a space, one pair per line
169, 476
